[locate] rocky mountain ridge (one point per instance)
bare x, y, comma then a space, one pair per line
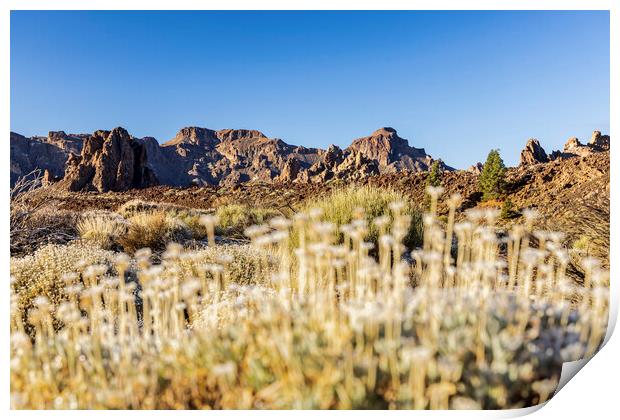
116, 161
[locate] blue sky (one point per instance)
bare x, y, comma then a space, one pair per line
455, 83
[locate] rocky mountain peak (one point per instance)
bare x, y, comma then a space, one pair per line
230, 134
572, 143
56, 134
391, 151
574, 147
384, 131
196, 136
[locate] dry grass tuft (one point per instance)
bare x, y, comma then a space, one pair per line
341, 205
235, 218
102, 228
152, 229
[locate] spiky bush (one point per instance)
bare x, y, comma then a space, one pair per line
332, 327
33, 220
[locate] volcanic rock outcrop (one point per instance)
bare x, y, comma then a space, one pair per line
335, 163
476, 168
391, 152
43, 153
599, 141
533, 153
573, 147
207, 157
109, 161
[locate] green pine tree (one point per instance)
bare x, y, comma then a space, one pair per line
435, 175
492, 179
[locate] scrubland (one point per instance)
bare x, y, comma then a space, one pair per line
358, 300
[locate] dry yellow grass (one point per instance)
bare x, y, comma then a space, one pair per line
101, 228
341, 206
151, 229
235, 218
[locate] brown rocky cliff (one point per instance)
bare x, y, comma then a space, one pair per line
109, 161
42, 153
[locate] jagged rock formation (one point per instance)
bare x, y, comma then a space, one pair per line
201, 156
49, 179
573, 147
533, 154
599, 141
391, 152
207, 157
336, 163
44, 153
228, 157
109, 161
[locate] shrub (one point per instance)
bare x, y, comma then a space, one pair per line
492, 178
508, 210
46, 225
339, 206
34, 220
102, 228
49, 270
242, 264
191, 219
235, 218
152, 229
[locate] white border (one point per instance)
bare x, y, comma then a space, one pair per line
592, 394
